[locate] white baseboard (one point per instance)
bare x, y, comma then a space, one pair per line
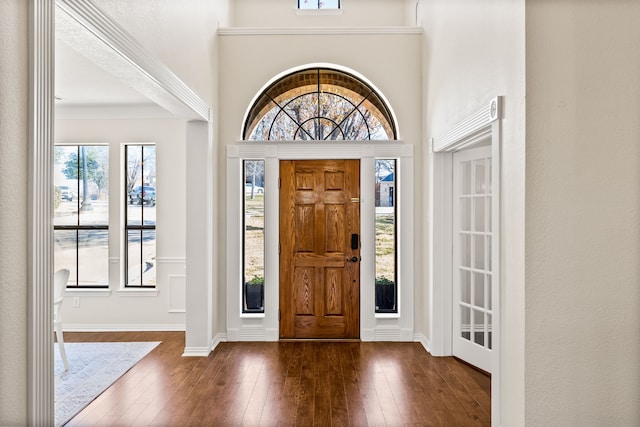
422, 339
217, 340
146, 327
196, 352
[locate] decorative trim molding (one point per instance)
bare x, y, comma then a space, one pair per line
40, 383
87, 292
471, 130
319, 31
171, 260
115, 327
120, 44
134, 292
217, 340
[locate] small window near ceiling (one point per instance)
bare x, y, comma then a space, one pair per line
81, 214
386, 237
253, 260
140, 229
318, 4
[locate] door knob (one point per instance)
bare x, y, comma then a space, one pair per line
353, 259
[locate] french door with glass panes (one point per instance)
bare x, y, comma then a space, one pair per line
472, 261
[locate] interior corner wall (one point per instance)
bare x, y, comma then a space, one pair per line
474, 51
14, 107
583, 213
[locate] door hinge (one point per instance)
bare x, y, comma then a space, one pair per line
279, 182
279, 315
278, 248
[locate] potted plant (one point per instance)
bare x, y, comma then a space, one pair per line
385, 294
254, 293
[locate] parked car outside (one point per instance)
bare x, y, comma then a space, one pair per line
143, 194
256, 189
65, 193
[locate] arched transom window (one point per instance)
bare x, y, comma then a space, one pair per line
319, 104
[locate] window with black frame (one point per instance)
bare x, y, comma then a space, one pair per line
81, 214
318, 4
140, 215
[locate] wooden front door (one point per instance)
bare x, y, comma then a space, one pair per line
320, 249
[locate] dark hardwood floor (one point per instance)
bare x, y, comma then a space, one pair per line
288, 383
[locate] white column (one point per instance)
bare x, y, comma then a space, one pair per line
199, 199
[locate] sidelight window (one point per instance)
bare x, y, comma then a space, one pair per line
386, 237
253, 259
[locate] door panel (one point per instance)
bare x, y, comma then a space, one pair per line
319, 271
472, 265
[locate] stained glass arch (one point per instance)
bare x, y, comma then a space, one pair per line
319, 104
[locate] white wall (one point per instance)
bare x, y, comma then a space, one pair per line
119, 310
583, 213
182, 35
250, 61
354, 13
474, 50
13, 215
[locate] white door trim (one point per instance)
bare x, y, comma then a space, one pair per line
172, 94
264, 327
478, 128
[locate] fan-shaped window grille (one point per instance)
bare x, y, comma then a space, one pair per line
319, 104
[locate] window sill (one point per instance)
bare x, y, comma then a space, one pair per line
252, 315
387, 315
143, 292
318, 12
87, 292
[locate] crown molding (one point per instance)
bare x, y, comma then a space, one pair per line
318, 31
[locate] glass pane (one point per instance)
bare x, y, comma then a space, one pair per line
480, 184
489, 292
465, 214
385, 193
488, 210
254, 236
65, 170
478, 252
261, 131
134, 257
318, 4
478, 327
141, 184
149, 257
465, 286
93, 257
65, 253
284, 129
489, 189
488, 267
465, 250
465, 322
478, 284
93, 185
466, 178
479, 213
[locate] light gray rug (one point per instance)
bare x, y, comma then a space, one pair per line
93, 367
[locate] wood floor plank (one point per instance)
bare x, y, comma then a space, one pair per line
302, 383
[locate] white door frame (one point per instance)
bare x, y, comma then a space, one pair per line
482, 127
373, 327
